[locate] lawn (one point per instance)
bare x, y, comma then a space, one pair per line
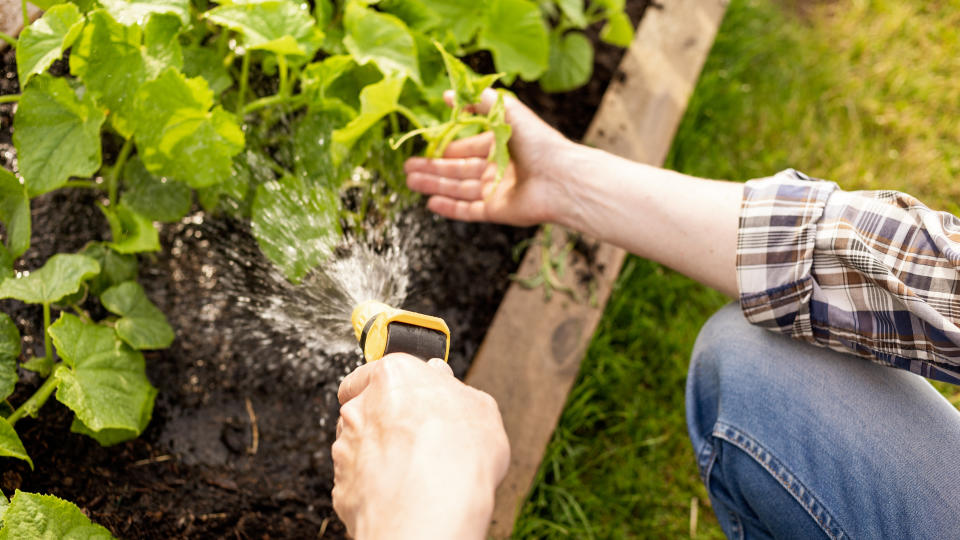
865, 93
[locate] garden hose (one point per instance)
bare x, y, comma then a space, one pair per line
381, 330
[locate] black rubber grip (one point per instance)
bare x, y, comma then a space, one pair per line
424, 343
366, 330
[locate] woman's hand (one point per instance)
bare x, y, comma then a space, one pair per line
532, 191
418, 453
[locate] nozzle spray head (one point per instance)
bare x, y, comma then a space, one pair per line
382, 329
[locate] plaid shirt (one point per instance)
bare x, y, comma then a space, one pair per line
873, 273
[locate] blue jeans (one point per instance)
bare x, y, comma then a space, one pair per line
795, 441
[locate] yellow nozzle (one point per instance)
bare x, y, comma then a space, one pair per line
382, 329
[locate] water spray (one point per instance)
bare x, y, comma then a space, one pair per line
382, 330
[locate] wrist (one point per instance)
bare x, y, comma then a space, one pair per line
577, 168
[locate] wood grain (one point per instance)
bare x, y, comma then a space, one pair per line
531, 354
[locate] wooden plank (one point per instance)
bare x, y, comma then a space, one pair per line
11, 18
532, 351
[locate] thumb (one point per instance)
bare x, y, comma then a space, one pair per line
438, 363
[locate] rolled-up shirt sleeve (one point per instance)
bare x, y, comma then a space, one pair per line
873, 273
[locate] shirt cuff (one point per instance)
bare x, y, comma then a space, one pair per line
775, 244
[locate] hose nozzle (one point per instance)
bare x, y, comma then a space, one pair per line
381, 329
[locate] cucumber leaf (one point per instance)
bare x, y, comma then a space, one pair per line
9, 352
11, 446
141, 324
500, 153
157, 199
573, 11
114, 267
57, 134
46, 516
15, 213
61, 275
278, 26
132, 232
296, 224
41, 365
4, 504
312, 143
571, 62
161, 44
45, 40
464, 18
318, 76
179, 136
376, 101
128, 12
516, 35
466, 84
105, 384
6, 263
380, 38
207, 63
618, 30
109, 61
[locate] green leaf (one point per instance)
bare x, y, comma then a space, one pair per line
10, 446
15, 213
114, 267
516, 35
312, 142
128, 12
105, 382
206, 62
296, 224
280, 26
382, 39
4, 504
57, 135
414, 13
32, 516
61, 275
6, 263
573, 10
9, 352
45, 40
466, 84
157, 199
376, 101
464, 18
132, 232
318, 76
618, 30
109, 61
141, 324
179, 136
571, 63
41, 365
161, 44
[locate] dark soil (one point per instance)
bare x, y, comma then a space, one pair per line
239, 446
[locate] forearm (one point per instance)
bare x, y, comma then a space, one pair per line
686, 223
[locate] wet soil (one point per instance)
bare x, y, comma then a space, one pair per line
239, 445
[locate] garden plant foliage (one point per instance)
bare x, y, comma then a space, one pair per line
252, 108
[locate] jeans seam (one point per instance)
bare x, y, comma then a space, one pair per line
784, 476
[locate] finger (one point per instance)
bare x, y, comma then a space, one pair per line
339, 426
438, 363
462, 168
475, 146
355, 382
437, 185
457, 209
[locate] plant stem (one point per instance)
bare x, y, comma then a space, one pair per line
32, 405
9, 39
244, 75
276, 99
26, 13
10, 98
88, 184
47, 346
114, 178
282, 68
410, 116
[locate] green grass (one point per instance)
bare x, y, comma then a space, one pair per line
866, 93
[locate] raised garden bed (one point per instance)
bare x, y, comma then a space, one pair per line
239, 441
